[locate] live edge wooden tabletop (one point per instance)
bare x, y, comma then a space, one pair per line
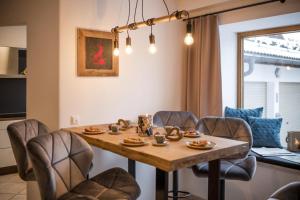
174, 156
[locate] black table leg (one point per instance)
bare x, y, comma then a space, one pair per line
162, 184
131, 167
175, 185
214, 180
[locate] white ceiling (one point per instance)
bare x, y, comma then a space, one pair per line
195, 4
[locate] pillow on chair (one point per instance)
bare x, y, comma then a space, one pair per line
243, 113
266, 132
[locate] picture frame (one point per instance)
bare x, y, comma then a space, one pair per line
95, 53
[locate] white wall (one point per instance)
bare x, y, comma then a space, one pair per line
195, 4
146, 83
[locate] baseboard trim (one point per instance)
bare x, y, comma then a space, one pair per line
8, 170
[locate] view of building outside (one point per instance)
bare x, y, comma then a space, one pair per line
272, 78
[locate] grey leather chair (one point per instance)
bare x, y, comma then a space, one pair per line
184, 120
61, 162
19, 134
238, 167
290, 191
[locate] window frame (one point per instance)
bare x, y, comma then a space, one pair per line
240, 55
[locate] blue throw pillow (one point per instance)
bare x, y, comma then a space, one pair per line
266, 132
243, 113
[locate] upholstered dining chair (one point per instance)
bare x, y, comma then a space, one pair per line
61, 162
290, 191
238, 167
19, 134
184, 120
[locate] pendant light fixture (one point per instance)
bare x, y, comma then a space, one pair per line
188, 39
116, 51
177, 15
152, 48
128, 48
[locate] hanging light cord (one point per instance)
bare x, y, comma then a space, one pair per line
143, 10
128, 16
166, 7
136, 4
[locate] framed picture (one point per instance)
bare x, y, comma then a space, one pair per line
95, 53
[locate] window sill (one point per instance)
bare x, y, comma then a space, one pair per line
274, 160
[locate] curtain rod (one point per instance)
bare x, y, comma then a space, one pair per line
237, 8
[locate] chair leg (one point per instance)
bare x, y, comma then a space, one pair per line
222, 189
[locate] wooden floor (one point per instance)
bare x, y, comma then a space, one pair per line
12, 187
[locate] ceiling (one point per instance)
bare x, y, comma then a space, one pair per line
195, 4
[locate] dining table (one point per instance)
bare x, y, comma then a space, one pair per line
174, 156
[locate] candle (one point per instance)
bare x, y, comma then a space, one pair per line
297, 143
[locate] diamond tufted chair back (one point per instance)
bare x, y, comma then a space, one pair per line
182, 119
290, 191
19, 134
227, 127
61, 160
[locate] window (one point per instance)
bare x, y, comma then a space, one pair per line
269, 74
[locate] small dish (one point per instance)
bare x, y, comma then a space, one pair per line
133, 144
125, 128
192, 134
210, 145
165, 143
93, 132
173, 137
114, 133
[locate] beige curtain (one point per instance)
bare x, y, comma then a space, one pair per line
203, 75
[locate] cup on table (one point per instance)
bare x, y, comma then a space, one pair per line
160, 138
114, 128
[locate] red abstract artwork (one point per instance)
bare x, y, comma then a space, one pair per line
98, 56
98, 53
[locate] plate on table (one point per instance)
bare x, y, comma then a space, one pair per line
126, 128
165, 143
195, 134
133, 142
207, 146
92, 131
114, 133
